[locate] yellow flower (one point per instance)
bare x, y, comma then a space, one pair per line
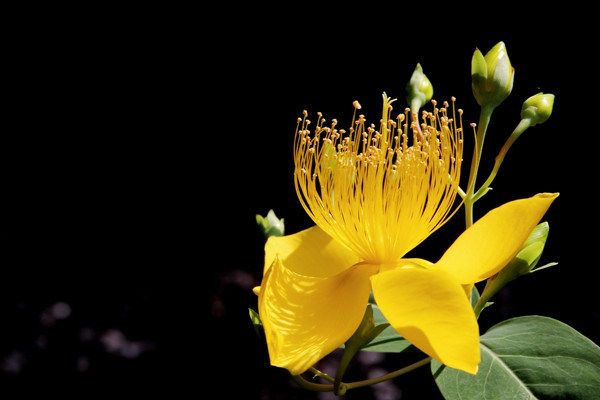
374, 195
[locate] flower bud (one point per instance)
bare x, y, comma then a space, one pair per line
270, 225
524, 262
538, 108
492, 76
418, 90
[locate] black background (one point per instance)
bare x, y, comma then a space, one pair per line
144, 145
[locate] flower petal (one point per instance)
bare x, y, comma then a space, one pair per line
430, 309
306, 318
487, 246
310, 252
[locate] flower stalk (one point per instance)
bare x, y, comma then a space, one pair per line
536, 110
470, 198
344, 387
366, 332
521, 127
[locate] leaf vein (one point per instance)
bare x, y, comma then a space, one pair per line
505, 367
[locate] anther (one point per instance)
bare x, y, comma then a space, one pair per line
356, 105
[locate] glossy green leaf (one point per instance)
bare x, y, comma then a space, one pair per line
527, 358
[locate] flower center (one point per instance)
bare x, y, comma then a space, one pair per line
380, 191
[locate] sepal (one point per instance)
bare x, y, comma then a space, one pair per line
366, 332
256, 323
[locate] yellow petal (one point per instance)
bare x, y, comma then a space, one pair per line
306, 318
430, 309
310, 252
487, 246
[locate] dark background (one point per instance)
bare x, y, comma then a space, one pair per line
145, 143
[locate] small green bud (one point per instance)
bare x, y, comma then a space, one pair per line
538, 108
492, 76
418, 90
529, 255
270, 225
524, 262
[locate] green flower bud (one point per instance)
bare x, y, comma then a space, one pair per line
529, 255
538, 108
270, 225
524, 263
492, 76
418, 90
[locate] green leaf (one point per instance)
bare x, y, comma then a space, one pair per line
529, 357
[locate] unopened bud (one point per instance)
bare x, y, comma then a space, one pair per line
418, 90
270, 225
524, 262
538, 108
492, 76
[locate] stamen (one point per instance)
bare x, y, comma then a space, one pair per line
378, 196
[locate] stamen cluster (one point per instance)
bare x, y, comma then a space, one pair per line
380, 191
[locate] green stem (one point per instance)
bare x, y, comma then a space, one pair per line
523, 125
315, 387
339, 388
484, 120
480, 305
389, 376
321, 374
318, 387
488, 292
